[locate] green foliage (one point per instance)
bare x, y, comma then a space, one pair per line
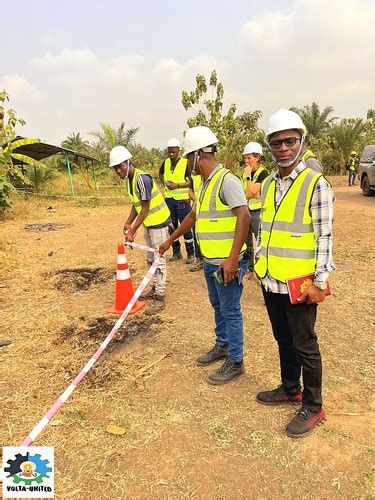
348, 134
315, 120
233, 131
108, 137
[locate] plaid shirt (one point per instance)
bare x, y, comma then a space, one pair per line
321, 210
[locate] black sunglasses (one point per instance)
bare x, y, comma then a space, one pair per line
289, 141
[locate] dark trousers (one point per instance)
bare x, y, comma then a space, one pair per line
252, 233
293, 329
179, 209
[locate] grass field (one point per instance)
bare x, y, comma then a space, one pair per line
184, 439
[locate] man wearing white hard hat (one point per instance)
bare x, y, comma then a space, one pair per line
173, 174
253, 175
222, 221
148, 209
295, 240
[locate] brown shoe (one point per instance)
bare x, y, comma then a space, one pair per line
158, 304
229, 371
198, 266
148, 295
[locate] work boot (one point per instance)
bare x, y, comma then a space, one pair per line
175, 256
278, 396
303, 422
230, 370
148, 295
217, 352
190, 259
158, 304
198, 266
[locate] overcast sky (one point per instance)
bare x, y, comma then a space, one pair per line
71, 65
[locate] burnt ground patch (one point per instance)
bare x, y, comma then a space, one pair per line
42, 228
86, 334
79, 279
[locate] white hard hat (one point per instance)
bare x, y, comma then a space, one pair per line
284, 119
118, 155
173, 143
253, 147
198, 138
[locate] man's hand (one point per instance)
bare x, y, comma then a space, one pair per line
172, 185
248, 171
230, 268
130, 235
165, 246
312, 295
126, 228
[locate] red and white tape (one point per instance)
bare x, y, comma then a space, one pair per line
68, 392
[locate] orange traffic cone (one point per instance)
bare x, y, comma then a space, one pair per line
124, 286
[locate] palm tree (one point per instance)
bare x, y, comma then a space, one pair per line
75, 142
109, 137
346, 136
315, 120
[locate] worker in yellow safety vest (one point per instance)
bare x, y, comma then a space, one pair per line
148, 209
173, 174
295, 240
351, 167
253, 175
310, 159
222, 221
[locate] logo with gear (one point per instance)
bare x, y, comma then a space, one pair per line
28, 469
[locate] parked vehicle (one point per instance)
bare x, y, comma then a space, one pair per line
366, 170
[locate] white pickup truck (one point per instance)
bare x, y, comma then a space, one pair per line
367, 170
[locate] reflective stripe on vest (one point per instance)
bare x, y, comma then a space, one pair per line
177, 176
307, 154
351, 163
158, 210
287, 233
253, 203
197, 183
215, 226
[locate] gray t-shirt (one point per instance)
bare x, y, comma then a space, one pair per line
231, 194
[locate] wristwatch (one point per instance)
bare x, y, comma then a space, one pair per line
322, 285
248, 178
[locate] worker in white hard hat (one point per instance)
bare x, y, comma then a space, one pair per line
173, 174
222, 221
148, 209
252, 177
295, 249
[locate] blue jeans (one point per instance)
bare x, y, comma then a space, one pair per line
179, 210
227, 307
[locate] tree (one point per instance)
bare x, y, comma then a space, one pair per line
76, 142
347, 135
232, 131
9, 173
315, 120
108, 137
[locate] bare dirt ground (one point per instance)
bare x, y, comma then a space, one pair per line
184, 438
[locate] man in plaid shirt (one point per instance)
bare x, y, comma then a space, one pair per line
295, 238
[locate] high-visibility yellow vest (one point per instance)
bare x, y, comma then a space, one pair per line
197, 182
287, 233
352, 163
177, 176
253, 203
307, 154
158, 210
215, 226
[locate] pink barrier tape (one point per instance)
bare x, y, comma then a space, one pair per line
142, 247
67, 393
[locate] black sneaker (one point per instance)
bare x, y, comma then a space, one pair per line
230, 370
217, 352
304, 422
278, 396
175, 256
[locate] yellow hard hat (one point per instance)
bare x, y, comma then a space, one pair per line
354, 152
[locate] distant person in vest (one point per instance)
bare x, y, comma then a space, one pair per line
310, 159
222, 222
295, 239
148, 209
351, 167
252, 177
173, 175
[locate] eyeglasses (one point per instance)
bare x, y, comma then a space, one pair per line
288, 141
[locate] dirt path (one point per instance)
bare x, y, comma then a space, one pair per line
184, 438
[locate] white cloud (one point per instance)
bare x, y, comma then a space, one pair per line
19, 88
